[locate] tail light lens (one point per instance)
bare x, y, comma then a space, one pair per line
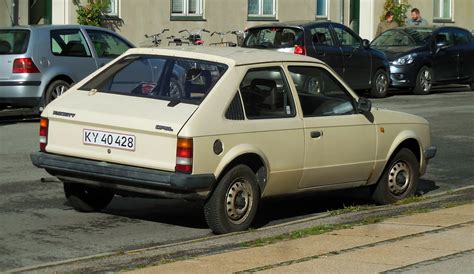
24, 65
300, 50
184, 155
43, 133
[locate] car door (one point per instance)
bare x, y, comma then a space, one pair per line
340, 143
445, 58
70, 53
107, 46
324, 47
463, 43
357, 61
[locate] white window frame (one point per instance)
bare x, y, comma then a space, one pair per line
325, 16
114, 8
260, 10
199, 8
439, 15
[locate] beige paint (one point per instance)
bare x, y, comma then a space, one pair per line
350, 152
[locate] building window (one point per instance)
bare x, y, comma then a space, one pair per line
262, 9
190, 8
443, 10
113, 7
321, 8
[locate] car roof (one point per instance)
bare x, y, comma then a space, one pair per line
48, 27
228, 55
292, 24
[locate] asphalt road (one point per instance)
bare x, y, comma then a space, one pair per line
37, 226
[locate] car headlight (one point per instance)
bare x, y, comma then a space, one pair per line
405, 60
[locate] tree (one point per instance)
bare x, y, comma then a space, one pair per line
94, 13
399, 9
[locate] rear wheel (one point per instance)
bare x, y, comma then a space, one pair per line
55, 89
234, 202
424, 81
87, 198
399, 180
379, 84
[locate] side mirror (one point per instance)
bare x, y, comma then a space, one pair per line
366, 44
364, 105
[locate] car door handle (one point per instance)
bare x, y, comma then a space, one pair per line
316, 134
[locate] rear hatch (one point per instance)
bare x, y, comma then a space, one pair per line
131, 112
142, 132
285, 39
13, 42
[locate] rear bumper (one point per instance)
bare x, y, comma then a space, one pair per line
125, 178
20, 93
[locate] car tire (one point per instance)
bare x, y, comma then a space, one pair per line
379, 84
54, 90
399, 180
424, 81
87, 199
472, 86
233, 204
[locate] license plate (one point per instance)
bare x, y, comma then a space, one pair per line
108, 139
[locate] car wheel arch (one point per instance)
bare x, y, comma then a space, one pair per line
410, 142
252, 158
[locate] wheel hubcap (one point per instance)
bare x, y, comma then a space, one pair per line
399, 178
58, 91
381, 83
425, 80
239, 201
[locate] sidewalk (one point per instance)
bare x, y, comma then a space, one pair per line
440, 241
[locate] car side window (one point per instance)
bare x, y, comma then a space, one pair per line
444, 36
461, 37
320, 94
106, 44
266, 94
69, 42
346, 38
322, 36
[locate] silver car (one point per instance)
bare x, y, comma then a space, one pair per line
39, 63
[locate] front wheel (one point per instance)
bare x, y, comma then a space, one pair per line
424, 81
399, 180
86, 198
379, 84
234, 202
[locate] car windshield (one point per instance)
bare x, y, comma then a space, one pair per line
14, 41
273, 37
409, 37
160, 77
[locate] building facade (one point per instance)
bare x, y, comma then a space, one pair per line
142, 17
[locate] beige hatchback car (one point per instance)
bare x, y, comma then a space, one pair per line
229, 126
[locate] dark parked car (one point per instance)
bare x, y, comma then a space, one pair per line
39, 63
347, 53
421, 57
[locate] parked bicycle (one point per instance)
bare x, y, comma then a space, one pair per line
222, 36
194, 37
156, 40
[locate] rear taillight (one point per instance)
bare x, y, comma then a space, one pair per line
184, 155
43, 133
24, 65
300, 50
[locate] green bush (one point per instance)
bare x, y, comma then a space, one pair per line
399, 10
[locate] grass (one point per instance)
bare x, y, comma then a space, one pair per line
410, 200
348, 209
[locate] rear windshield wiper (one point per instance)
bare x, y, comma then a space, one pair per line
173, 102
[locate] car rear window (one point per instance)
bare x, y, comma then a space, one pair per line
14, 41
273, 37
160, 77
